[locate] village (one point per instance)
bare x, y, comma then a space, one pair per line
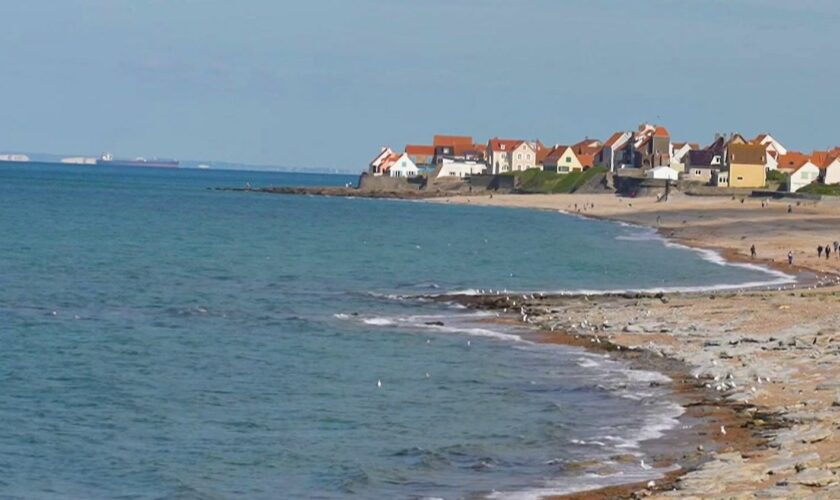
731, 161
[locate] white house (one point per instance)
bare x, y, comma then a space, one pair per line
678, 153
831, 172
771, 143
523, 157
450, 167
666, 173
375, 166
607, 156
805, 174
402, 167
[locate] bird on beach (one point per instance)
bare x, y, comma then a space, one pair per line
723, 430
645, 466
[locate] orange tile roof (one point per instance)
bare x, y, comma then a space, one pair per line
556, 152
822, 159
661, 132
587, 160
792, 161
417, 149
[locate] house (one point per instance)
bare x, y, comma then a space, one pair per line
562, 160
791, 160
665, 173
447, 145
421, 155
700, 164
655, 150
510, 155
679, 151
542, 152
831, 171
747, 165
458, 167
804, 173
720, 178
400, 166
611, 149
586, 151
771, 143
375, 166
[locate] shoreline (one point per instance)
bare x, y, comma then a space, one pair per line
785, 459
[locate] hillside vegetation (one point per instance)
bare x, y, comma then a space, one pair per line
537, 181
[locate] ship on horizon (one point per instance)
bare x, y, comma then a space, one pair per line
108, 160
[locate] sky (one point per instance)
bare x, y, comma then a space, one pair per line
324, 84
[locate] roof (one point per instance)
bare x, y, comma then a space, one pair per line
822, 159
497, 144
416, 149
586, 159
614, 139
701, 157
792, 161
661, 132
452, 140
747, 154
555, 153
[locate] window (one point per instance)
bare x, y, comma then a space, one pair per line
740, 178
519, 156
568, 159
528, 156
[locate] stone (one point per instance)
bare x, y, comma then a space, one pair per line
788, 462
815, 478
633, 329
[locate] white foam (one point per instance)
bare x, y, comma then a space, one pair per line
378, 321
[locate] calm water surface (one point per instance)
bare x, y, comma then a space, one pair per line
161, 339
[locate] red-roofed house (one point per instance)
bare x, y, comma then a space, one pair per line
792, 160
804, 172
398, 165
510, 155
452, 140
562, 159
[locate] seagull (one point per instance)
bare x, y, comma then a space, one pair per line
651, 484
645, 466
379, 383
427, 375
469, 343
723, 430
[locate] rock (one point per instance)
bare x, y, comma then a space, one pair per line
815, 478
802, 434
788, 462
633, 329
828, 386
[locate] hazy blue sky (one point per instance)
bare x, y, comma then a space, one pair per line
324, 83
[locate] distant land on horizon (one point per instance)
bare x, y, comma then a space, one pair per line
214, 165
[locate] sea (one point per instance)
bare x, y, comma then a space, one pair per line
163, 339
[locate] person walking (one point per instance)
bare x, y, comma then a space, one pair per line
819, 251
827, 252
752, 251
790, 258
836, 244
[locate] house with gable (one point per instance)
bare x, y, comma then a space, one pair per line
611, 152
562, 160
747, 165
679, 151
375, 165
421, 155
803, 173
510, 155
830, 171
701, 165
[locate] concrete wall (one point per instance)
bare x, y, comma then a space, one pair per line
493, 182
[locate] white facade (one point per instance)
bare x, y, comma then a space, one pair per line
804, 175
376, 163
523, 157
832, 172
403, 167
678, 156
772, 144
666, 173
499, 161
460, 168
79, 160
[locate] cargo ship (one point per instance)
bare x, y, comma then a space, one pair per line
108, 160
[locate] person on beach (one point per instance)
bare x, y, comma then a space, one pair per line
752, 251
836, 244
790, 208
790, 258
819, 250
827, 252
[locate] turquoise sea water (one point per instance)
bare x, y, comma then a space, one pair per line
161, 339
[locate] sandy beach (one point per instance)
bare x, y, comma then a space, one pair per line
772, 357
